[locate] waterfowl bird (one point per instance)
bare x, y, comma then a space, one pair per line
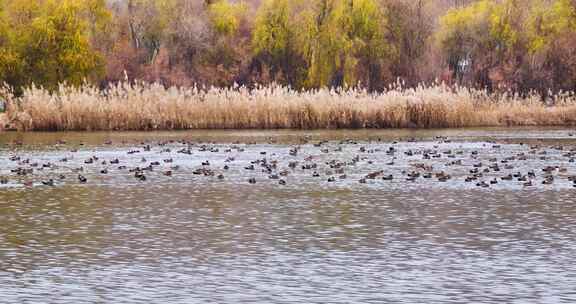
412, 177
282, 182
388, 177
82, 179
252, 180
548, 180
140, 176
482, 184
443, 177
373, 175
49, 182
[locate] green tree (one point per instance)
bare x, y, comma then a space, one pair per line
274, 42
344, 42
225, 16
47, 43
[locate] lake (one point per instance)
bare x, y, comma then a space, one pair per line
367, 216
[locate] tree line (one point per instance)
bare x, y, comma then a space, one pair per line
510, 45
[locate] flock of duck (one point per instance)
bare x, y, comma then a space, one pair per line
441, 160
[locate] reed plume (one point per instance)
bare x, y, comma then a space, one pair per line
144, 106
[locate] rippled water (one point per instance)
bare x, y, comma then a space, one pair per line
196, 239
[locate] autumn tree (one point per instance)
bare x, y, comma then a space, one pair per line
552, 46
48, 42
478, 39
344, 43
275, 42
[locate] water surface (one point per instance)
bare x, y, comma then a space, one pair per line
191, 238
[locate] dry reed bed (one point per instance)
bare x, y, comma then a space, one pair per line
151, 106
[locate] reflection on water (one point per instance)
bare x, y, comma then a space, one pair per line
190, 239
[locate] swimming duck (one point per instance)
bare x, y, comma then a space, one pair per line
49, 182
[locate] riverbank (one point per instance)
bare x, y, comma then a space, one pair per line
152, 107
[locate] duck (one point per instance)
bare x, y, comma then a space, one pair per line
82, 179
482, 184
49, 182
548, 180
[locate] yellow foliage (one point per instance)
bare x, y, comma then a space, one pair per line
47, 41
336, 35
272, 29
547, 23
226, 16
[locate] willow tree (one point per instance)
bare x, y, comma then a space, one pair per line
344, 43
47, 43
274, 42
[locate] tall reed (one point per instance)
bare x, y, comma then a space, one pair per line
153, 107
